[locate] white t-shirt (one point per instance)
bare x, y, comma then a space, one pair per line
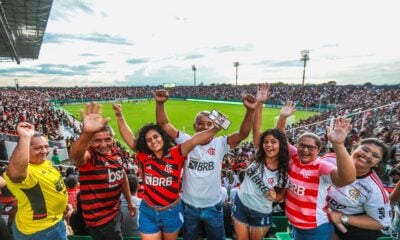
365, 195
201, 186
250, 192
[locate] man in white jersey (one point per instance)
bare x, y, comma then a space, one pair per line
202, 170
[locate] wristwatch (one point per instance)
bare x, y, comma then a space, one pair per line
344, 219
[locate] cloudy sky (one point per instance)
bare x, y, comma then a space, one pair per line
136, 43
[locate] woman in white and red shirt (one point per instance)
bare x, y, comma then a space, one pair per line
309, 179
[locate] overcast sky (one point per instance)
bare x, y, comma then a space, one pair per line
136, 43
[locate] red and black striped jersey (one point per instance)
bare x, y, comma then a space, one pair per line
100, 187
161, 176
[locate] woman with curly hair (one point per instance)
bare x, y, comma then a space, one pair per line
265, 179
160, 212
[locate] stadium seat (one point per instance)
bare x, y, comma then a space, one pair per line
279, 224
269, 238
132, 238
385, 238
79, 237
283, 236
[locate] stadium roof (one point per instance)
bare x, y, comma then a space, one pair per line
22, 27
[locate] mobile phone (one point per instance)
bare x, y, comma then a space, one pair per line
220, 119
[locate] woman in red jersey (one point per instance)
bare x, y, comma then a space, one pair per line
161, 212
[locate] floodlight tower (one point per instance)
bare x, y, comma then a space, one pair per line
194, 74
16, 84
305, 56
236, 65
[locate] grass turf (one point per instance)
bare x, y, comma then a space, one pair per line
181, 114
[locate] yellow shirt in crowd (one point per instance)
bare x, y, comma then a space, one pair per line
42, 198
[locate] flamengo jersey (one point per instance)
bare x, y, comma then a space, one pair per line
100, 187
253, 189
161, 176
202, 172
306, 195
366, 195
42, 198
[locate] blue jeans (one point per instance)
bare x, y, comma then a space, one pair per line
212, 217
56, 232
322, 232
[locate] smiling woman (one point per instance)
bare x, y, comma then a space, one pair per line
363, 206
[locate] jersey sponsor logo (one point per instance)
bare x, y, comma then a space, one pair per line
114, 176
201, 166
158, 181
334, 204
211, 151
257, 177
363, 187
381, 213
298, 190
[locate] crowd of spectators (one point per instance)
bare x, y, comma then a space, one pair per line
375, 112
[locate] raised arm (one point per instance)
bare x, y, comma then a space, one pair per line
395, 195
92, 123
124, 129
261, 96
287, 110
161, 96
250, 102
197, 139
345, 173
17, 169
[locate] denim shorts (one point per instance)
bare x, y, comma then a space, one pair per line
249, 216
322, 232
153, 221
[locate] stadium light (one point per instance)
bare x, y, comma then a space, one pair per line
16, 84
236, 65
305, 56
320, 99
194, 74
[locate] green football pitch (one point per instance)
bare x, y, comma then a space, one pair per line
181, 114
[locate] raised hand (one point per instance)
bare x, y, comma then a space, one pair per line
161, 95
92, 118
263, 92
25, 129
117, 110
249, 101
288, 109
338, 133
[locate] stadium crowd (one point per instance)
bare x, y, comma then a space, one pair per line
375, 113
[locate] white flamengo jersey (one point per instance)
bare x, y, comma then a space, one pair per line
255, 184
366, 195
306, 195
201, 186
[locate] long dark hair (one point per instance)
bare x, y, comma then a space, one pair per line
141, 145
283, 155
